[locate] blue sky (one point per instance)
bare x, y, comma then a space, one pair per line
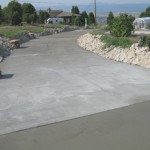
70, 2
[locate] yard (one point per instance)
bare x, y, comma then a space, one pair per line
16, 31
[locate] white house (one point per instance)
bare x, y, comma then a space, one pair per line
142, 23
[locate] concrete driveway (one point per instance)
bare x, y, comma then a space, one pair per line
52, 79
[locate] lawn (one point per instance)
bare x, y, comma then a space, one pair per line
16, 31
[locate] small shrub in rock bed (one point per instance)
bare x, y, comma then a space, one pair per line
148, 41
123, 42
142, 41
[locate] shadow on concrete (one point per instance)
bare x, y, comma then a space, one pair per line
23, 47
6, 76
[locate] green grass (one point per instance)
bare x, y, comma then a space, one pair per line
11, 32
123, 42
100, 29
97, 32
16, 31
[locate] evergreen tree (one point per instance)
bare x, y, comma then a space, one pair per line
75, 10
91, 18
110, 19
146, 13
0, 14
84, 16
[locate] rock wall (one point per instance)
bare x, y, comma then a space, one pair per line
134, 55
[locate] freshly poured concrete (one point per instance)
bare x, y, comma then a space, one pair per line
51, 79
125, 128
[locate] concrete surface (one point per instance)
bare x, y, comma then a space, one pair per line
51, 79
146, 31
125, 128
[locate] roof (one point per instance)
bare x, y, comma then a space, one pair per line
54, 13
60, 14
66, 14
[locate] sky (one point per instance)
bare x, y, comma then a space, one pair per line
38, 3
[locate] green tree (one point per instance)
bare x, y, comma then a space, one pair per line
43, 15
75, 10
5, 15
77, 21
91, 18
0, 14
146, 13
29, 13
143, 14
110, 19
122, 25
15, 12
84, 16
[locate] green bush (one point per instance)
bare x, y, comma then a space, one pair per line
122, 26
142, 41
148, 41
123, 42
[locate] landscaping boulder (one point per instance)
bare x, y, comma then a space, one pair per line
15, 43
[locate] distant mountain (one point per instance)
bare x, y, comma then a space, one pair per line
104, 7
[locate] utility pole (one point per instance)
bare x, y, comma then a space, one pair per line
95, 10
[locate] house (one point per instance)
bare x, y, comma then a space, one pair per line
142, 23
56, 16
54, 20
67, 16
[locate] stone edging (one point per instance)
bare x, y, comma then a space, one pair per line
134, 55
6, 45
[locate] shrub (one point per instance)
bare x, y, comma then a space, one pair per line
122, 26
142, 41
123, 42
148, 41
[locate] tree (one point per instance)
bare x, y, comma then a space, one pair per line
146, 13
110, 19
29, 13
91, 18
143, 14
84, 16
75, 10
13, 12
77, 21
0, 14
5, 15
43, 15
122, 25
